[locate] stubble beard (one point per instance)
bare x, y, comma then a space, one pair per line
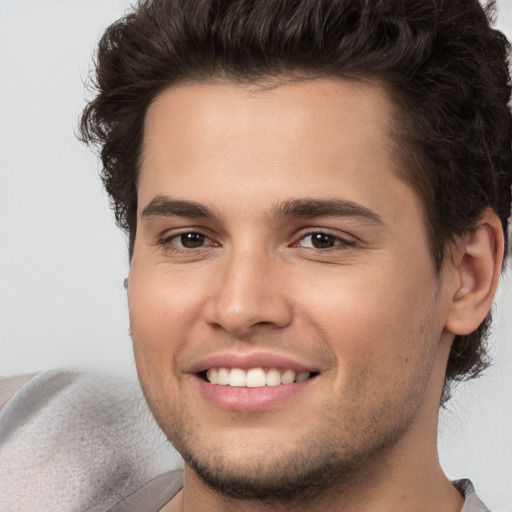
298, 476
319, 465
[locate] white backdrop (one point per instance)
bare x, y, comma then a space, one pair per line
62, 260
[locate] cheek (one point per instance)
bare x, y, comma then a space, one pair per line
162, 308
156, 335
376, 324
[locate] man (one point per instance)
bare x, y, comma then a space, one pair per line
316, 195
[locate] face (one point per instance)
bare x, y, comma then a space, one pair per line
285, 313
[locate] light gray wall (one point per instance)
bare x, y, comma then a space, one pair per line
62, 261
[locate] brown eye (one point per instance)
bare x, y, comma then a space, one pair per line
319, 241
323, 241
187, 242
190, 240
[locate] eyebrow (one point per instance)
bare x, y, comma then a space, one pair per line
316, 208
165, 206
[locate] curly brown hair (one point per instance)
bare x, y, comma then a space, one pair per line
443, 65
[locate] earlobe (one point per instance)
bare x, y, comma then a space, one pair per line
478, 266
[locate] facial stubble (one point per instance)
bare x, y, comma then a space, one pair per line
330, 458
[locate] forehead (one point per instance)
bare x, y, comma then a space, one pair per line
294, 138
225, 110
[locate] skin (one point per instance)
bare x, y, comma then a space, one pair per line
369, 314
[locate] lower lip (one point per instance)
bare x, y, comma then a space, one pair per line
251, 399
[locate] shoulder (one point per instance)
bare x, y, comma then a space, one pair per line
10, 385
471, 503
153, 495
72, 440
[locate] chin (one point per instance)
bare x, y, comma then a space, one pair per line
285, 478
283, 473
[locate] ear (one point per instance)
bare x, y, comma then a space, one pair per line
477, 264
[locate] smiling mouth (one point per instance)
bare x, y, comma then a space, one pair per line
254, 377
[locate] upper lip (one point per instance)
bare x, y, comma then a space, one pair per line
246, 361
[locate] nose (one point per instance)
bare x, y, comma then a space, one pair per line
249, 294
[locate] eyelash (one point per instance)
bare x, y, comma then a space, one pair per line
169, 241
338, 241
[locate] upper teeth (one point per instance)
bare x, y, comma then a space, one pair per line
253, 378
